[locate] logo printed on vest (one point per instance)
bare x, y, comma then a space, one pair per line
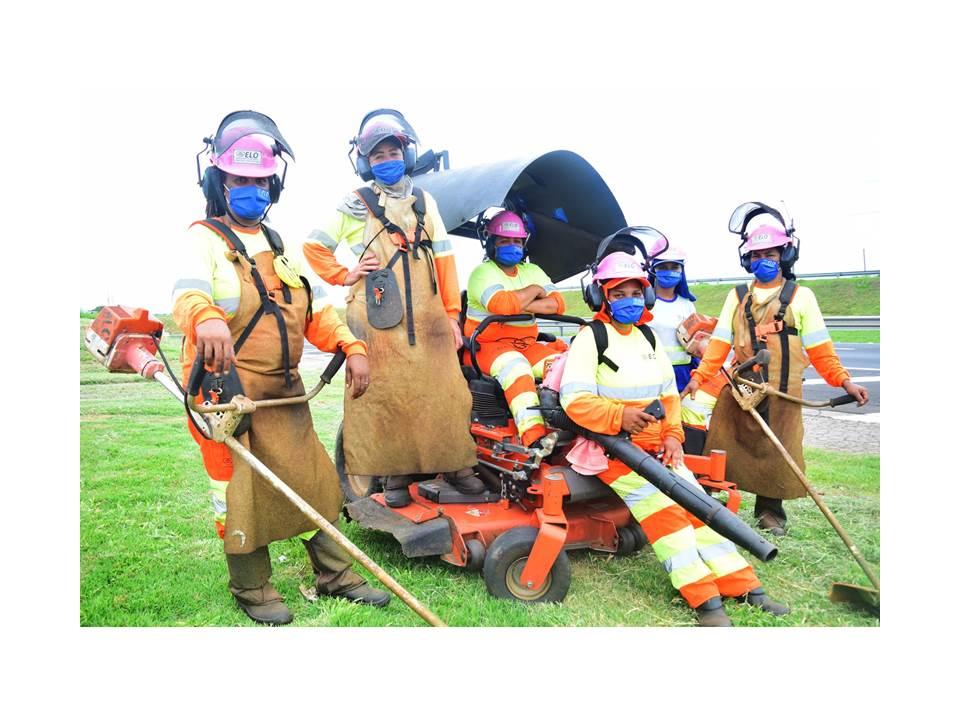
248, 157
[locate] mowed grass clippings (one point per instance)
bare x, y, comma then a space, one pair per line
149, 555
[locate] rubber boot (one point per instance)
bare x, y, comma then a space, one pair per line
770, 515
759, 598
712, 614
466, 481
335, 576
250, 585
395, 490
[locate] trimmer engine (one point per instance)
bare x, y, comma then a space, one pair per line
125, 340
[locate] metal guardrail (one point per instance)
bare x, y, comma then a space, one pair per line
800, 276
744, 278
833, 322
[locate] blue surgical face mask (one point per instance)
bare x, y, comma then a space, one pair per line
509, 254
765, 270
249, 201
627, 310
389, 172
668, 278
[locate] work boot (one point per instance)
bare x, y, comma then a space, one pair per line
396, 492
759, 598
335, 576
250, 586
712, 614
363, 595
772, 523
466, 481
770, 515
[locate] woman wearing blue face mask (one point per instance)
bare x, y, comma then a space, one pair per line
404, 301
775, 314
608, 394
244, 306
674, 305
507, 284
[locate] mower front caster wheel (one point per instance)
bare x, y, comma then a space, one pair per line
504, 564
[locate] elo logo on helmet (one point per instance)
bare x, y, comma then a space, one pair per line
509, 225
248, 157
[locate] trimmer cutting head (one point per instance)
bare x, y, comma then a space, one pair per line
863, 597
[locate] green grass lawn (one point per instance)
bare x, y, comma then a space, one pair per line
149, 555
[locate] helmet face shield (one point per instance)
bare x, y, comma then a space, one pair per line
242, 123
744, 214
380, 125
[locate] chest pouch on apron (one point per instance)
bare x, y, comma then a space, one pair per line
384, 303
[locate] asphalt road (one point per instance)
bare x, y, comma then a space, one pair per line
862, 360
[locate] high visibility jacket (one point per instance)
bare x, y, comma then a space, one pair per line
490, 291
667, 316
347, 226
594, 395
810, 327
209, 287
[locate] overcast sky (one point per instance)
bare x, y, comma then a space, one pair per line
677, 159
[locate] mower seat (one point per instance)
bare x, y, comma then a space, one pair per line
489, 403
585, 487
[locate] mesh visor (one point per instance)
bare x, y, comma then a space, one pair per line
744, 214
246, 122
382, 125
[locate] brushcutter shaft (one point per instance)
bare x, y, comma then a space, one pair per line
861, 561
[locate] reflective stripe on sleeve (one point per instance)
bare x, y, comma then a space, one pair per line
320, 236
489, 293
193, 284
723, 334
815, 338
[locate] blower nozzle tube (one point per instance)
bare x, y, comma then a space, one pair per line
702, 506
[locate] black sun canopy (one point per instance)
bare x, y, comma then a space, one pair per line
560, 184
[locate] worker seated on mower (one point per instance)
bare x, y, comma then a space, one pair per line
506, 283
613, 372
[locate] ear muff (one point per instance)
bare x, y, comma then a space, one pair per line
649, 297
593, 296
212, 186
363, 167
276, 187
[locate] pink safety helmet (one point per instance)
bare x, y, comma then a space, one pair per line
620, 266
764, 237
250, 156
507, 224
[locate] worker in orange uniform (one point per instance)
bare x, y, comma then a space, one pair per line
506, 283
776, 314
244, 306
606, 390
404, 302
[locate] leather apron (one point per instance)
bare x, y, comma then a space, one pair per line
415, 415
753, 462
283, 438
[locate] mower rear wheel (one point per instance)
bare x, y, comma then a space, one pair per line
507, 557
355, 487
